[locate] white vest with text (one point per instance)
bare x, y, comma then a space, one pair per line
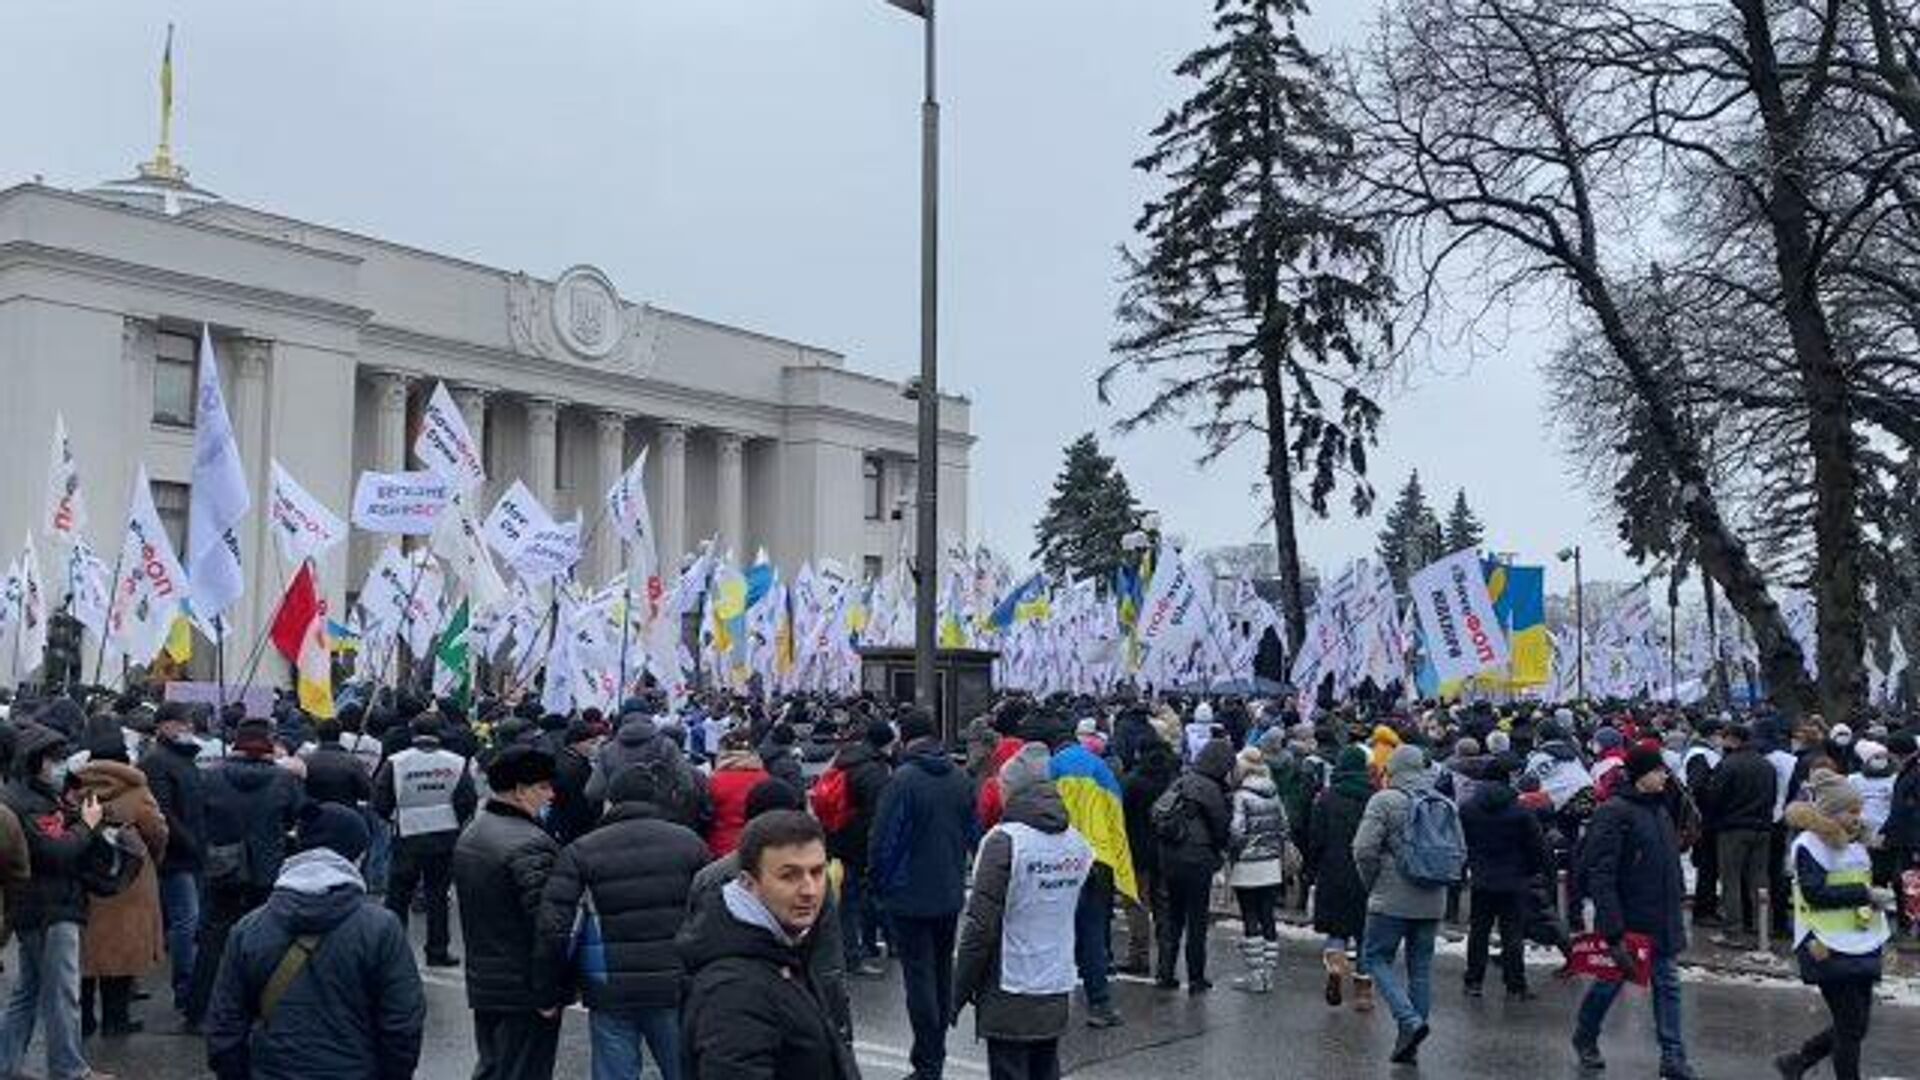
423, 786
1036, 930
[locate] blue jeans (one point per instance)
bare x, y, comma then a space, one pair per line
616, 1043
1412, 1002
1666, 1010
379, 852
47, 989
1092, 920
180, 909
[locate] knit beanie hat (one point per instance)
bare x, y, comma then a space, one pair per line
1406, 761
1642, 760
1831, 794
332, 826
1609, 738
1031, 766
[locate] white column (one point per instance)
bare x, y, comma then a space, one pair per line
249, 361
543, 419
670, 450
390, 421
610, 446
731, 495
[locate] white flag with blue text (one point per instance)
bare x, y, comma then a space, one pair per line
219, 498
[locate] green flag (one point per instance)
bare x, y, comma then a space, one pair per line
453, 661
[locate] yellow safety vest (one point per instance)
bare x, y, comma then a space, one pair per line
1854, 931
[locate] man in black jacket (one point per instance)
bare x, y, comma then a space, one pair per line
252, 804
48, 911
354, 1008
574, 814
500, 868
176, 784
923, 837
1739, 799
753, 1010
334, 774
635, 870
1189, 861
1630, 864
427, 792
1505, 849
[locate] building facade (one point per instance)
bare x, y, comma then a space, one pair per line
329, 343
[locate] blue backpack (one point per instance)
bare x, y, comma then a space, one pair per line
1433, 849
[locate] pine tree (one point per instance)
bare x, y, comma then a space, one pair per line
1463, 529
1253, 297
1412, 537
1091, 509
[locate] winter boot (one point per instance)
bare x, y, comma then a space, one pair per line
1363, 993
1792, 1065
1269, 964
1338, 967
1250, 951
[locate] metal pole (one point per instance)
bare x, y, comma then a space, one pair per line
626, 613
1579, 629
927, 524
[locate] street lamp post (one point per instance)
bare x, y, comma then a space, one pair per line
927, 546
1579, 623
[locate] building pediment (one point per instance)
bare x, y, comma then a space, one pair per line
579, 318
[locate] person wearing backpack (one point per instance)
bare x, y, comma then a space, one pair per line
1630, 869
1408, 849
123, 940
318, 983
1192, 826
845, 799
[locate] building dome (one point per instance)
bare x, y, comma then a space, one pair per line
160, 187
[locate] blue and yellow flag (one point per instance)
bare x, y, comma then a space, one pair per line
1520, 603
1008, 610
1094, 807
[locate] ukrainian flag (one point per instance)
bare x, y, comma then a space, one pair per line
1008, 610
1520, 603
1094, 807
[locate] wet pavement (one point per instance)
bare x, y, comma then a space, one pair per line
1732, 1030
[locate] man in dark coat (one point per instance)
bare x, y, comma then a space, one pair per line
1630, 864
753, 1009
1189, 862
1737, 803
500, 869
177, 786
923, 836
334, 774
1505, 849
636, 869
355, 1008
252, 804
640, 739
862, 757
48, 911
574, 814
1154, 767
1339, 896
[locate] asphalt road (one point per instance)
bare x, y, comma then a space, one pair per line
1732, 1030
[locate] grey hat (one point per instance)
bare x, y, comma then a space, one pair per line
1406, 761
1031, 766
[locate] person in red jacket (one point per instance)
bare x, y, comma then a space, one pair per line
734, 776
990, 803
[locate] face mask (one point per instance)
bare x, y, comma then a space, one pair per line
57, 774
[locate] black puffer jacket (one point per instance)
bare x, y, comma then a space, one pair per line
1902, 831
58, 848
637, 868
500, 869
753, 1011
1630, 868
336, 776
254, 802
826, 952
923, 835
355, 1012
639, 740
1204, 788
1505, 847
1151, 774
1740, 792
179, 788
867, 775
574, 814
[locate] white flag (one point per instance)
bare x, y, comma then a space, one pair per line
1171, 617
302, 525
549, 552
458, 541
404, 503
66, 518
1463, 635
219, 498
89, 587
30, 623
152, 585
514, 520
633, 521
445, 445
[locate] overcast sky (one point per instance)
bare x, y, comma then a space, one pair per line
756, 162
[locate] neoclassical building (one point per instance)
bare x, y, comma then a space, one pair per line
330, 341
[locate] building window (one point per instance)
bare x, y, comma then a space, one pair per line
873, 476
171, 500
874, 567
175, 379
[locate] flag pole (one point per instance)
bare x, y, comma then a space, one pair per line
260, 643
100, 661
626, 612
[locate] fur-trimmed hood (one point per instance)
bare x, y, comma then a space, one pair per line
1807, 817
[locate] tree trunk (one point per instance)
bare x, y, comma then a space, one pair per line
1830, 438
1721, 552
1280, 483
